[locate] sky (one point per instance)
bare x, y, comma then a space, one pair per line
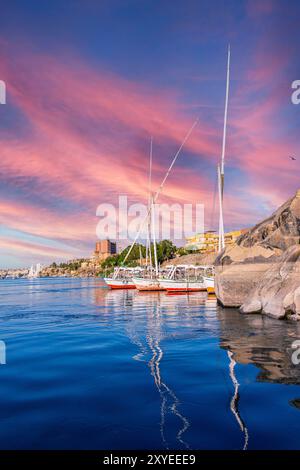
89, 81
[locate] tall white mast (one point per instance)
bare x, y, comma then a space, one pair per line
221, 220
148, 246
221, 167
154, 235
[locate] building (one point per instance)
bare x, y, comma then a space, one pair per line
104, 249
208, 242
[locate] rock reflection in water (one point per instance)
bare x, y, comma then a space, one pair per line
262, 341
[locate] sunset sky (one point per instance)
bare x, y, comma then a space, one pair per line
89, 81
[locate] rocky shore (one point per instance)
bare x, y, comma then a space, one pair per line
75, 268
13, 273
260, 273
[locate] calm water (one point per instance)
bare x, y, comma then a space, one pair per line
88, 368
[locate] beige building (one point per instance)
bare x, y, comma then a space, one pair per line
104, 249
208, 242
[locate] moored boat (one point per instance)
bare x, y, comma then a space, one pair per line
122, 278
184, 278
209, 279
144, 284
149, 280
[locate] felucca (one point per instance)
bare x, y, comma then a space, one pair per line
148, 278
122, 278
184, 278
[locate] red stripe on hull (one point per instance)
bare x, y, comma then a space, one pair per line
187, 289
150, 289
122, 287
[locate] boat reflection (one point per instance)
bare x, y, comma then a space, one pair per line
168, 399
151, 319
234, 403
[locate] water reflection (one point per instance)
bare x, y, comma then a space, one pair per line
150, 343
144, 370
234, 403
153, 319
262, 341
168, 399
148, 315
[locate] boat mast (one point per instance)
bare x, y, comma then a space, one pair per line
221, 166
156, 195
154, 236
149, 208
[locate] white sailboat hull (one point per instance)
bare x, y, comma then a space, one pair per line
174, 285
119, 283
147, 284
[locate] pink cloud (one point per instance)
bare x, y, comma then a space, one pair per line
25, 248
83, 137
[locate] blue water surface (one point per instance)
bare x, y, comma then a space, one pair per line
90, 368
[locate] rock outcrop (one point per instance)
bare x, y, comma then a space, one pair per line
278, 292
240, 269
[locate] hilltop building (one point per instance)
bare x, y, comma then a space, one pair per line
208, 242
104, 249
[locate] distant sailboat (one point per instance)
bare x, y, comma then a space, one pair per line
35, 271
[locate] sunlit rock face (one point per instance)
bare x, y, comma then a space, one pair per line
280, 231
278, 292
241, 269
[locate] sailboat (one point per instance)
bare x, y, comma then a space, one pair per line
122, 278
148, 280
35, 271
152, 282
209, 280
184, 278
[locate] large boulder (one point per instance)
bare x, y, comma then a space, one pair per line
239, 270
278, 292
241, 267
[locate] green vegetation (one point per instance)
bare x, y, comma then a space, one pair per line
133, 260
181, 251
165, 250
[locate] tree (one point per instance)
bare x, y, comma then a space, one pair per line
165, 250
